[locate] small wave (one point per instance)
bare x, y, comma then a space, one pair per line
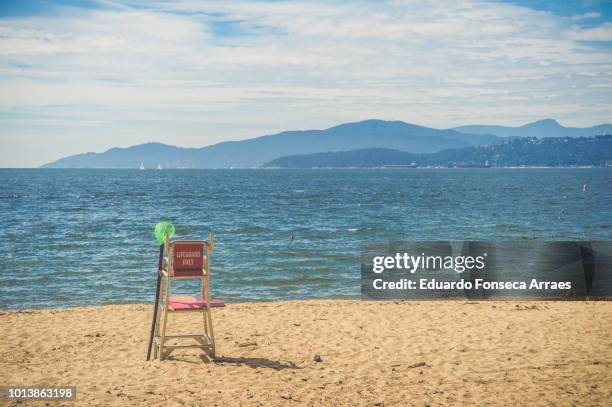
353, 229
9, 196
299, 191
247, 230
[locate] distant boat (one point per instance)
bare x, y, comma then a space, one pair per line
411, 165
159, 167
472, 165
141, 168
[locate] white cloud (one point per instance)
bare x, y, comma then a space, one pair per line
602, 32
587, 16
163, 71
97, 31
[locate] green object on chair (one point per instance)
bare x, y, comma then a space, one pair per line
162, 229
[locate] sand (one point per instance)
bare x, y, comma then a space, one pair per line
372, 353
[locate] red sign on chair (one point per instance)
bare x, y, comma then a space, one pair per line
188, 259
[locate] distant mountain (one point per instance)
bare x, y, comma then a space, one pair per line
551, 152
257, 151
150, 154
366, 134
540, 129
362, 158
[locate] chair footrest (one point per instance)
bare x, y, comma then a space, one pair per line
186, 336
204, 337
206, 346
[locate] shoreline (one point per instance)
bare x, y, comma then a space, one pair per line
535, 167
391, 352
454, 300
451, 300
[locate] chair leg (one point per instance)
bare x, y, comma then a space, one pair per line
205, 322
208, 325
210, 332
162, 337
155, 333
160, 309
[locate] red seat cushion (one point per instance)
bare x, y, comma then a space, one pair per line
192, 303
186, 273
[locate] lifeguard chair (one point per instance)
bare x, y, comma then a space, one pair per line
186, 259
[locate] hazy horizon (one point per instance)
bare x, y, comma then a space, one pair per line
80, 75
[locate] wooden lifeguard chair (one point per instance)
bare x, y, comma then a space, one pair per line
186, 259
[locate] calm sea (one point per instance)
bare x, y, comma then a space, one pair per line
79, 237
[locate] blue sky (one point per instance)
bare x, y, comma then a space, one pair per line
82, 76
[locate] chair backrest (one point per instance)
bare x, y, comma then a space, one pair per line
188, 258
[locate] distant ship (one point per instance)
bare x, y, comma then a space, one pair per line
141, 168
411, 165
472, 165
159, 167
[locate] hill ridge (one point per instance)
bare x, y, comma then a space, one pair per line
254, 152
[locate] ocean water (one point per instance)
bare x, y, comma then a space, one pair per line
81, 237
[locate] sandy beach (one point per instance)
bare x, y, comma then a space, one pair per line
371, 353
